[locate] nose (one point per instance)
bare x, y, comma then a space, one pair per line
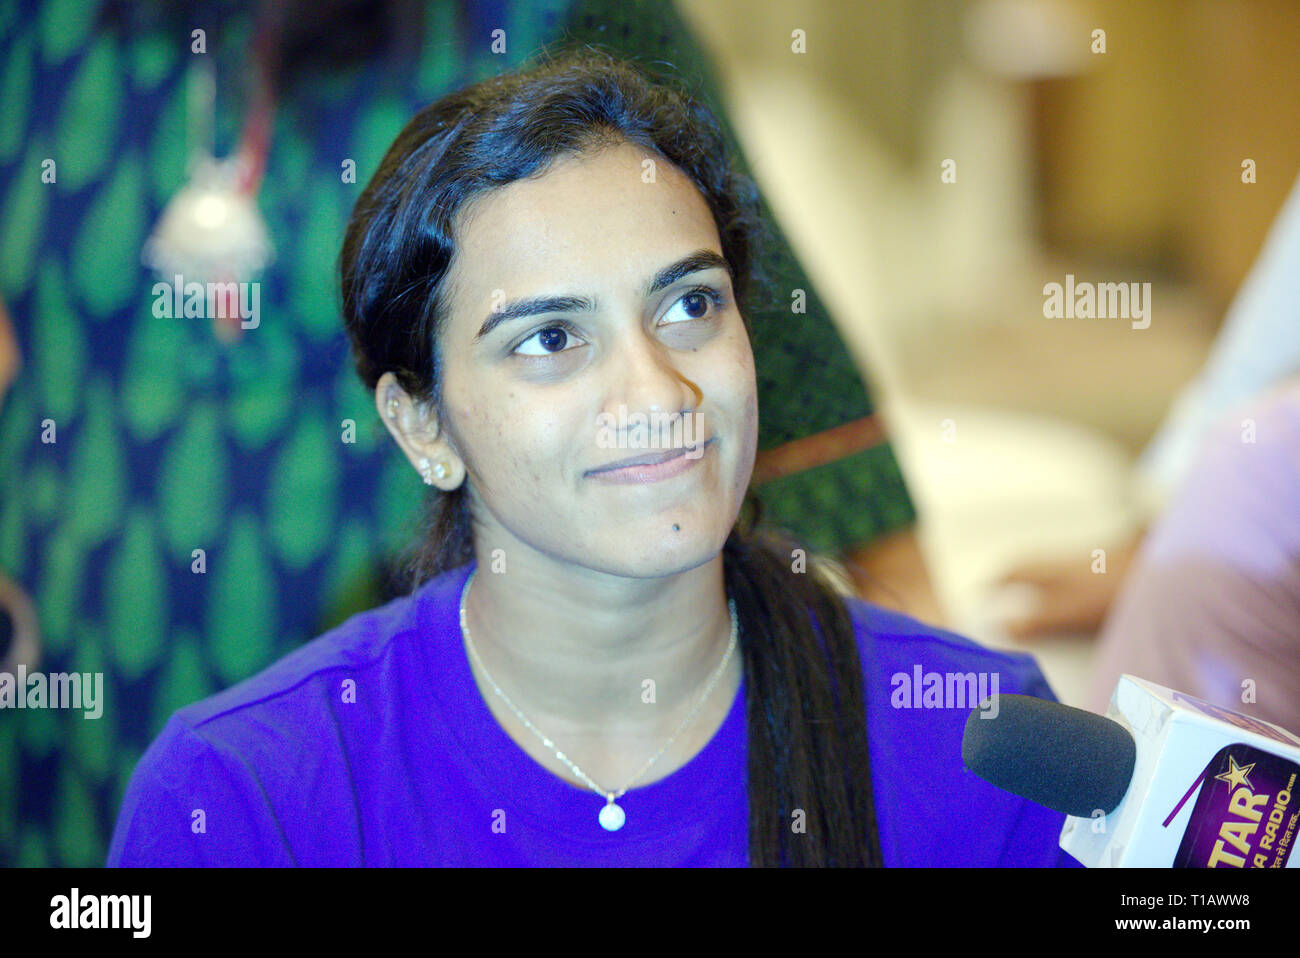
645, 378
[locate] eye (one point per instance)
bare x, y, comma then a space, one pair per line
559, 336
696, 303
550, 339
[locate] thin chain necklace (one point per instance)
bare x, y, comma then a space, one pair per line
611, 816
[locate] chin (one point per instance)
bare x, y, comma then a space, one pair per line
669, 552
658, 554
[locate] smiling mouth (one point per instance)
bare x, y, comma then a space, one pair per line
652, 459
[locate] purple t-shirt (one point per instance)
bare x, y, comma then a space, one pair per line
372, 745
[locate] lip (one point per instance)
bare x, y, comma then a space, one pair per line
665, 465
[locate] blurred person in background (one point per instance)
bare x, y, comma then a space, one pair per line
1208, 597
1211, 604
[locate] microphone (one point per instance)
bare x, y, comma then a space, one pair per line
1163, 779
1070, 760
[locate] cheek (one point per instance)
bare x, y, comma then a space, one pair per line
741, 351
479, 435
749, 438
741, 385
747, 387
516, 447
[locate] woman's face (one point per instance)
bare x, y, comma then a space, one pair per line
540, 405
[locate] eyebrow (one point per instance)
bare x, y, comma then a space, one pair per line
701, 259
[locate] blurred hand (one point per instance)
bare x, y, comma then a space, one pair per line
25, 644
1071, 597
8, 353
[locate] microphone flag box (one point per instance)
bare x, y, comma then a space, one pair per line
1211, 788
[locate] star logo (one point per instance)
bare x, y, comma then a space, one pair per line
1237, 774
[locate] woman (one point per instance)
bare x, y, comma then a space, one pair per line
601, 662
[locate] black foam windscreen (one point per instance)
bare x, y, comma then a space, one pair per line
1065, 758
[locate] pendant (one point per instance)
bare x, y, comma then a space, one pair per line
612, 817
211, 238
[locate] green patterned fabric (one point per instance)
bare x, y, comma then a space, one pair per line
169, 441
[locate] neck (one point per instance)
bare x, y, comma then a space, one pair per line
576, 651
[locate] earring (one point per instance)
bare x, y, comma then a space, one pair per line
440, 470
392, 408
424, 471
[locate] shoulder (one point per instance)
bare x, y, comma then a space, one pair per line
285, 705
921, 684
893, 643
237, 760
312, 679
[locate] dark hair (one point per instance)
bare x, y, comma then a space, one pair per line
805, 710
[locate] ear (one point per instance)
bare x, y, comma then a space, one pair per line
415, 428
